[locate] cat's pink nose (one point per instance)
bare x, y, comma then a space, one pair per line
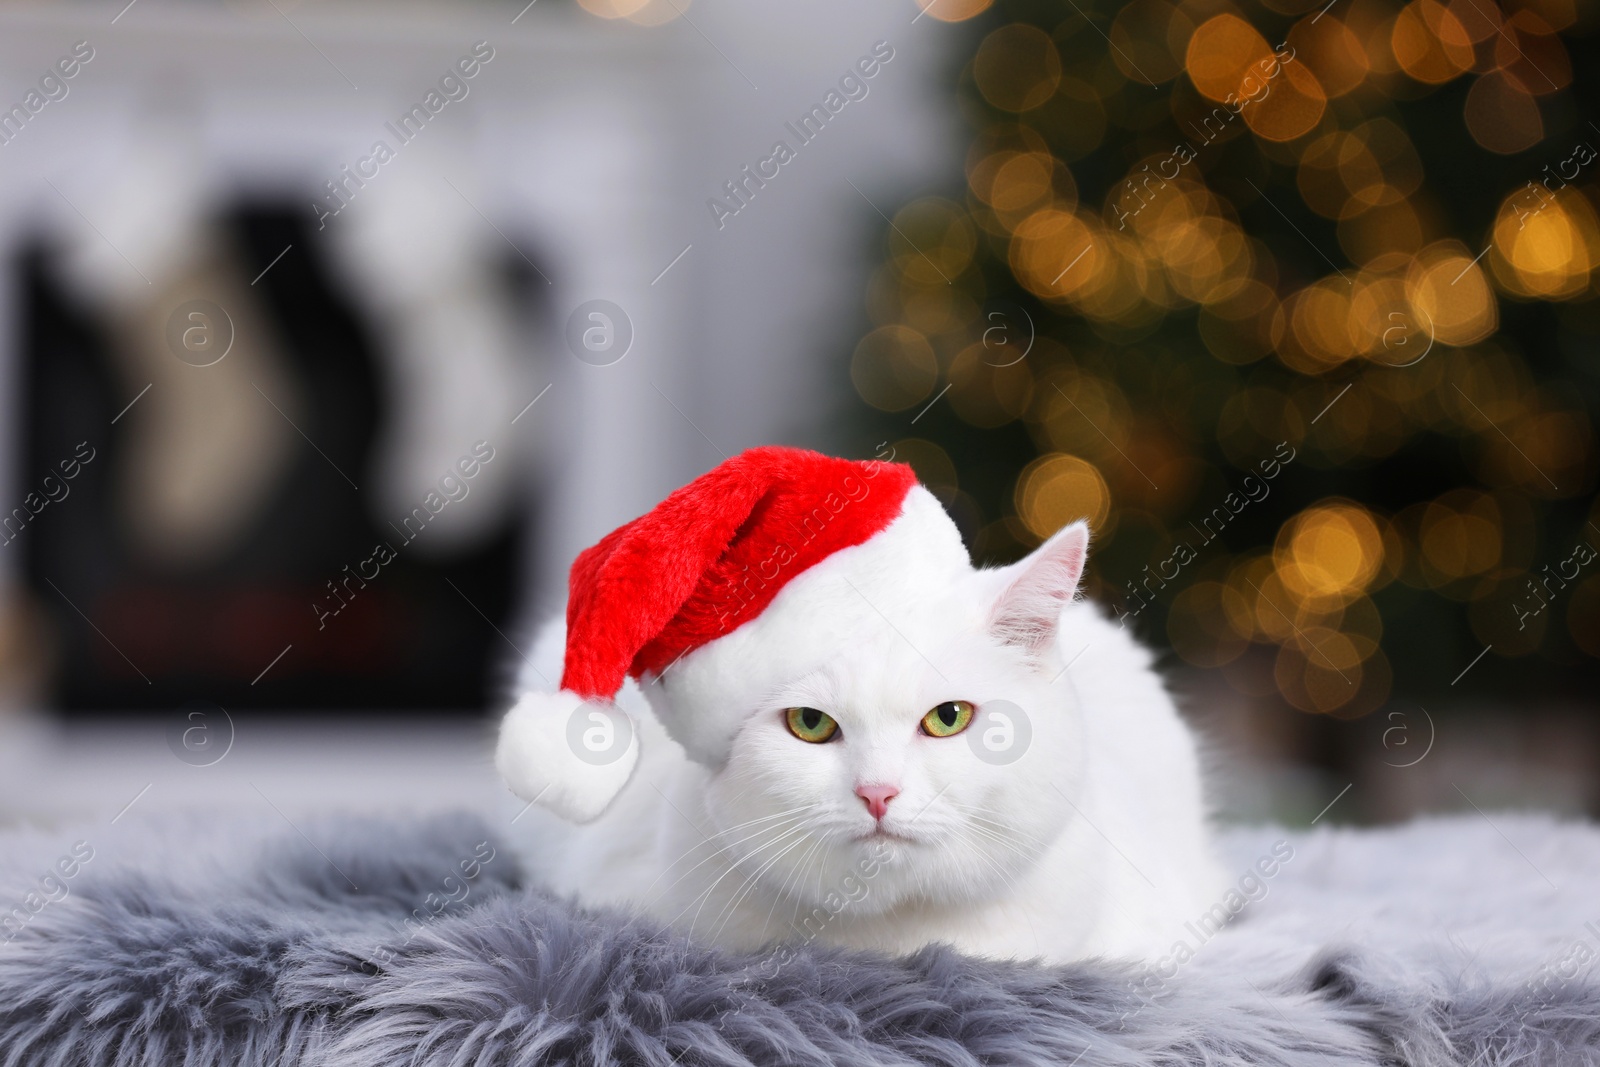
877, 798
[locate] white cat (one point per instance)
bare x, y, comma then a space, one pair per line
932, 753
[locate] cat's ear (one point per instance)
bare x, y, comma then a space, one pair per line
1029, 606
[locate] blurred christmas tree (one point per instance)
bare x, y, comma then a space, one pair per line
1296, 304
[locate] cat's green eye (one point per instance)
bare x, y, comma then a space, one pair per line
809, 724
948, 719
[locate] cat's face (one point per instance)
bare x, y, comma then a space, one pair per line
894, 772
911, 739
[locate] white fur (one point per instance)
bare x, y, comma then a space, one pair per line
1093, 843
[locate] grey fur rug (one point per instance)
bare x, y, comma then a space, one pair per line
364, 943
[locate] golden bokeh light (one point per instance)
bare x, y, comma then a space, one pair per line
1016, 184
1546, 243
1451, 294
1323, 167
1222, 52
1149, 38
1383, 325
1058, 489
1330, 552
1059, 254
1017, 68
1399, 168
1079, 413
1382, 239
1326, 672
1320, 319
1290, 106
615, 9
1344, 173
894, 367
936, 310
932, 240
1019, 182
1200, 255
1457, 536
954, 10
1120, 288
1332, 52
1480, 21
1275, 615
657, 12
1501, 115
1528, 50
1430, 43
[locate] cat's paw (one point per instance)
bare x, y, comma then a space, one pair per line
571, 755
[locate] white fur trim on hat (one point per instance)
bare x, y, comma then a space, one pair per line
570, 755
878, 578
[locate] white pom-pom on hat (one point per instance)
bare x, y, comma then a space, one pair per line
571, 755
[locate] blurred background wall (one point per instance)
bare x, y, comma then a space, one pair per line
330, 332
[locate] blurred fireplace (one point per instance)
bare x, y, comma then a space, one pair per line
294, 586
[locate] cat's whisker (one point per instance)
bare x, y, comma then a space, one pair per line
826, 834
973, 842
975, 809
736, 827
728, 846
1022, 844
824, 837
778, 828
969, 819
725, 912
794, 919
1014, 879
705, 897
783, 890
732, 907
817, 842
764, 818
1004, 839
993, 818
1036, 846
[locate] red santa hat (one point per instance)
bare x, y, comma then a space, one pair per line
705, 561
